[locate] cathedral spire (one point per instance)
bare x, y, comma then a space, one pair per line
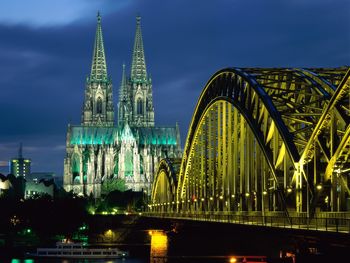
138, 67
123, 100
99, 66
98, 109
122, 84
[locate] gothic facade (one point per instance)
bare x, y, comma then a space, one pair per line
101, 156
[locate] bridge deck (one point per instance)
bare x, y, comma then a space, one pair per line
339, 224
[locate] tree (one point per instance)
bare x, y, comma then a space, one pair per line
112, 185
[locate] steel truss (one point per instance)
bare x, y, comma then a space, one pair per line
164, 185
264, 140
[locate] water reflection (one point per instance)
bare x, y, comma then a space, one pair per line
25, 261
159, 246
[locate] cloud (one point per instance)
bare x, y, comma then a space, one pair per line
60, 147
48, 13
4, 163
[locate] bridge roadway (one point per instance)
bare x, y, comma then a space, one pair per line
330, 222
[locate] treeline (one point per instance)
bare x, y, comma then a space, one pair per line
60, 214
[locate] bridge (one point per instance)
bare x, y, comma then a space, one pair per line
266, 146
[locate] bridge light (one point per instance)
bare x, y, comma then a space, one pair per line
188, 200
289, 190
221, 197
168, 203
178, 202
233, 260
233, 196
211, 198
326, 199
319, 187
247, 194
183, 201
202, 199
195, 199
264, 192
173, 202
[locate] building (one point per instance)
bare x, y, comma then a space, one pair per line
36, 188
20, 166
4, 184
102, 156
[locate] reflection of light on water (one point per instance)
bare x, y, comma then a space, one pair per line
109, 235
159, 246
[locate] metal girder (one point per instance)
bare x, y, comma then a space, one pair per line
339, 94
257, 129
164, 185
340, 159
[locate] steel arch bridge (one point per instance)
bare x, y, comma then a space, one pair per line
264, 140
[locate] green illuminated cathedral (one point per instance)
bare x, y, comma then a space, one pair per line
101, 156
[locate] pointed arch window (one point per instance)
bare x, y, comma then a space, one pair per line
99, 106
76, 167
139, 106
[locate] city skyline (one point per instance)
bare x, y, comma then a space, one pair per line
47, 58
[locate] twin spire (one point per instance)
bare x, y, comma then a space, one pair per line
138, 67
99, 65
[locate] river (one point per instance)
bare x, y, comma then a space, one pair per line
160, 241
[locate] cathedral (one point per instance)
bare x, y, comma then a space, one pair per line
102, 156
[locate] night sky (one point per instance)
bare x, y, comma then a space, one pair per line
46, 52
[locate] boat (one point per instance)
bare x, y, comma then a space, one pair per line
69, 249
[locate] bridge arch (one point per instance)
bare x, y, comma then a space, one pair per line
163, 196
275, 111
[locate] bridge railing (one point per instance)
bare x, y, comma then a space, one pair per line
271, 219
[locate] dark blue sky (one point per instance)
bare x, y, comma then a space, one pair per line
46, 50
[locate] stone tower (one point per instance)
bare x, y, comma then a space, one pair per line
135, 105
98, 106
